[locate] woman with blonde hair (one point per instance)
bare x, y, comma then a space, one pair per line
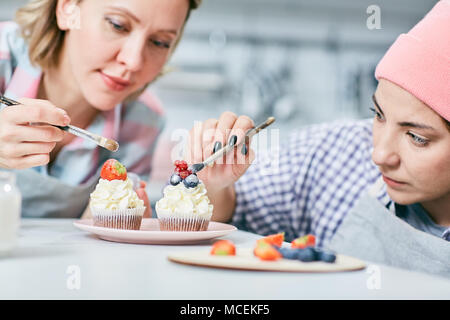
86, 63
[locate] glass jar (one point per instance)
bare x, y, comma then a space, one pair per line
10, 209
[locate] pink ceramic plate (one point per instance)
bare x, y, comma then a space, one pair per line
150, 233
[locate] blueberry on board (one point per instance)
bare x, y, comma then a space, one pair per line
175, 179
191, 181
306, 255
288, 253
326, 256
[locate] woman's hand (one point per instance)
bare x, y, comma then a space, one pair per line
25, 145
210, 136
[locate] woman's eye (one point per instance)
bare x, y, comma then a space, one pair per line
378, 115
116, 25
161, 44
418, 140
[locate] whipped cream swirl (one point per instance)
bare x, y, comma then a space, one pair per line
115, 195
182, 202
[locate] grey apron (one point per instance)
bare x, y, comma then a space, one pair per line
48, 197
373, 233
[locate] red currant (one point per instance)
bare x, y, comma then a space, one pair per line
183, 165
184, 174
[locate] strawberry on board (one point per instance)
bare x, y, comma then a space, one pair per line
223, 248
113, 170
275, 239
265, 251
304, 242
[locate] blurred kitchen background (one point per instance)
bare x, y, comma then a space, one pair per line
302, 61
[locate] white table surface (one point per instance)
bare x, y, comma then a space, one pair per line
38, 269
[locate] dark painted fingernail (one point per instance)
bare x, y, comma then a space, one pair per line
244, 149
217, 146
233, 140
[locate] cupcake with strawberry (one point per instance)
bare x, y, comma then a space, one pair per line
185, 205
114, 203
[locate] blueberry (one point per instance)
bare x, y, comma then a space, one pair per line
326, 256
285, 252
289, 254
281, 250
306, 255
175, 179
191, 181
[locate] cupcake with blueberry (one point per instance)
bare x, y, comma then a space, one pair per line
185, 205
114, 203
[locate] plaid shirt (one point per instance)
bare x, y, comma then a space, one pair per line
135, 126
323, 170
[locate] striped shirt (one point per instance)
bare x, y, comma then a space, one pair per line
319, 175
135, 126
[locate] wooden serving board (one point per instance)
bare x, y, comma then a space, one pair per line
245, 260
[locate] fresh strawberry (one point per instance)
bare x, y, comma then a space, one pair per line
275, 239
266, 251
113, 170
223, 248
304, 242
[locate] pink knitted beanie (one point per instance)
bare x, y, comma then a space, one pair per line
419, 61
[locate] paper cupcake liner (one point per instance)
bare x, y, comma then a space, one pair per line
183, 224
129, 219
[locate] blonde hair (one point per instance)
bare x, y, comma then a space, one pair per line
37, 21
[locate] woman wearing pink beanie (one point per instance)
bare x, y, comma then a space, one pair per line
377, 189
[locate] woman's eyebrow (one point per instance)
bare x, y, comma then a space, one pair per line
126, 11
136, 19
403, 123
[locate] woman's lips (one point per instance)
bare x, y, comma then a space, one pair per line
114, 83
393, 183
